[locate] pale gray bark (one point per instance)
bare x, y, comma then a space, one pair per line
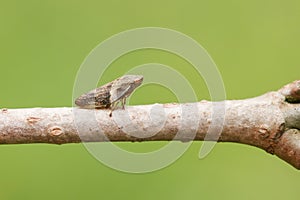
270, 122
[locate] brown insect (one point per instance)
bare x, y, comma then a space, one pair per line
110, 94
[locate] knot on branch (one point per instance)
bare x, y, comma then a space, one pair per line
55, 131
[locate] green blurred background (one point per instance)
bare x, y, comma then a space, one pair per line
254, 43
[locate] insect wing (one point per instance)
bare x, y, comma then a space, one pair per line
102, 97
118, 93
98, 98
124, 86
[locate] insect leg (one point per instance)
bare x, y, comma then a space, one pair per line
113, 106
123, 103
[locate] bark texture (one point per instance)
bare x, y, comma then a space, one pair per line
270, 122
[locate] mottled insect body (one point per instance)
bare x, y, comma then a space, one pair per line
108, 95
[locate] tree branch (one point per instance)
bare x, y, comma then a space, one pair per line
270, 122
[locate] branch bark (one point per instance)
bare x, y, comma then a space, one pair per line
270, 122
